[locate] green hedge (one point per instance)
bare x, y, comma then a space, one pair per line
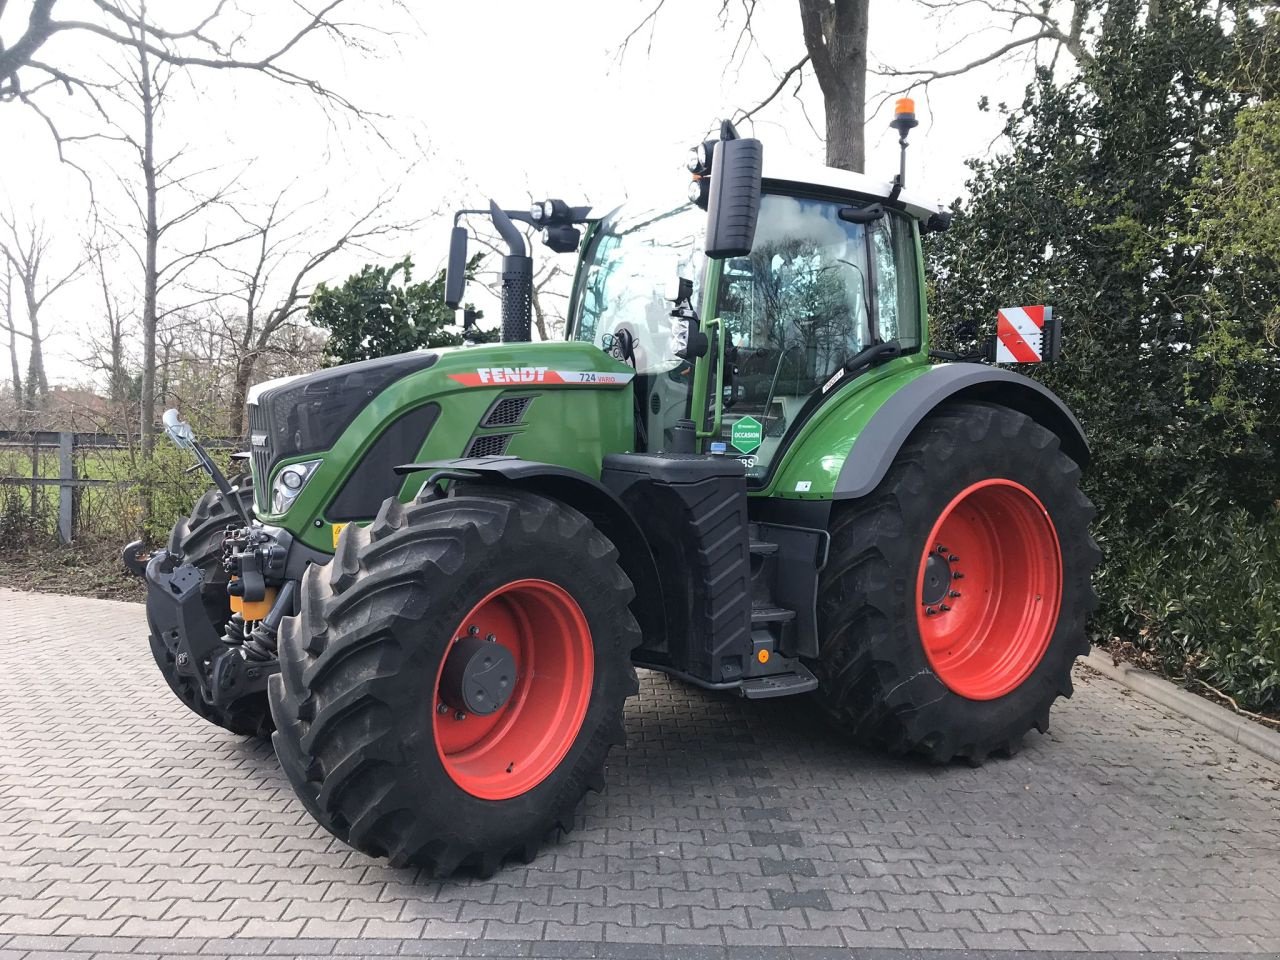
1198, 592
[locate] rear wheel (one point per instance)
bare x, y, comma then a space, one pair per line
197, 540
455, 679
954, 601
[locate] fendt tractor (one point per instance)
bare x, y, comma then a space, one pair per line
744, 466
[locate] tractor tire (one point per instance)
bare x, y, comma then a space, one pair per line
953, 604
384, 749
198, 540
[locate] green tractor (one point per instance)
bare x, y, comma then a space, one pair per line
741, 467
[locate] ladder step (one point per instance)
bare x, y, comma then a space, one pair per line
780, 685
762, 548
769, 614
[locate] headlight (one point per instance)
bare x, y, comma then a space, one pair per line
679, 345
289, 483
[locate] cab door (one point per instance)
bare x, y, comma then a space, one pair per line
816, 289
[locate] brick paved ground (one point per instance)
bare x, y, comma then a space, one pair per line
729, 830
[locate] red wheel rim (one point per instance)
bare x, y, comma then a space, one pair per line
510, 751
989, 589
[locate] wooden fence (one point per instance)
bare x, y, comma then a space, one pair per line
38, 445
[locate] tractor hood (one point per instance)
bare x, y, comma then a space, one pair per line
297, 415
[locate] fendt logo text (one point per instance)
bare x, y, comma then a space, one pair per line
512, 374
490, 375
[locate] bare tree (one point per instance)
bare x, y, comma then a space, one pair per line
141, 56
107, 353
1035, 27
168, 200
11, 327
274, 285
25, 248
835, 39
217, 37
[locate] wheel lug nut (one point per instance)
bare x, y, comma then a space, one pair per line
943, 607
953, 558
955, 593
929, 611
492, 638
957, 576
459, 715
473, 630
442, 708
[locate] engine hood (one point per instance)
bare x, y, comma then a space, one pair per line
295, 415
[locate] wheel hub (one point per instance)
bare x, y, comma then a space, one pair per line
478, 677
937, 580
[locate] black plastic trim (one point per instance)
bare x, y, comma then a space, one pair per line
373, 479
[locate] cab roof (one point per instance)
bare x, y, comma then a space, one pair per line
801, 173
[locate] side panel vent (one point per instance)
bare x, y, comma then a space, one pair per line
493, 445
507, 412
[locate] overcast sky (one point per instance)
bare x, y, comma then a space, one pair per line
496, 98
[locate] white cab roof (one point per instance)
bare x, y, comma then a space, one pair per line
918, 205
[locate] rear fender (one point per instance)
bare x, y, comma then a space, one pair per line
879, 442
589, 497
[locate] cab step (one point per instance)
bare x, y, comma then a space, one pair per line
768, 613
799, 680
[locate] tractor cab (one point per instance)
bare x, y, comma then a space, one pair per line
831, 272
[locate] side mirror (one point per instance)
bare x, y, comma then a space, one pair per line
455, 277
734, 201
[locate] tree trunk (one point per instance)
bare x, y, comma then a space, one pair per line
13, 339
147, 415
835, 35
13, 361
37, 384
236, 416
846, 122
119, 382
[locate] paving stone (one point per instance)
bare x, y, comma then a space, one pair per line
728, 831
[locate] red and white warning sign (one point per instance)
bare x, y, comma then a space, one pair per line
1020, 334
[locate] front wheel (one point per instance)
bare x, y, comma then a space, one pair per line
954, 601
455, 678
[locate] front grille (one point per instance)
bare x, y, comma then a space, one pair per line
507, 412
493, 445
260, 449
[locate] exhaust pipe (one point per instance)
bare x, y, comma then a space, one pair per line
517, 281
